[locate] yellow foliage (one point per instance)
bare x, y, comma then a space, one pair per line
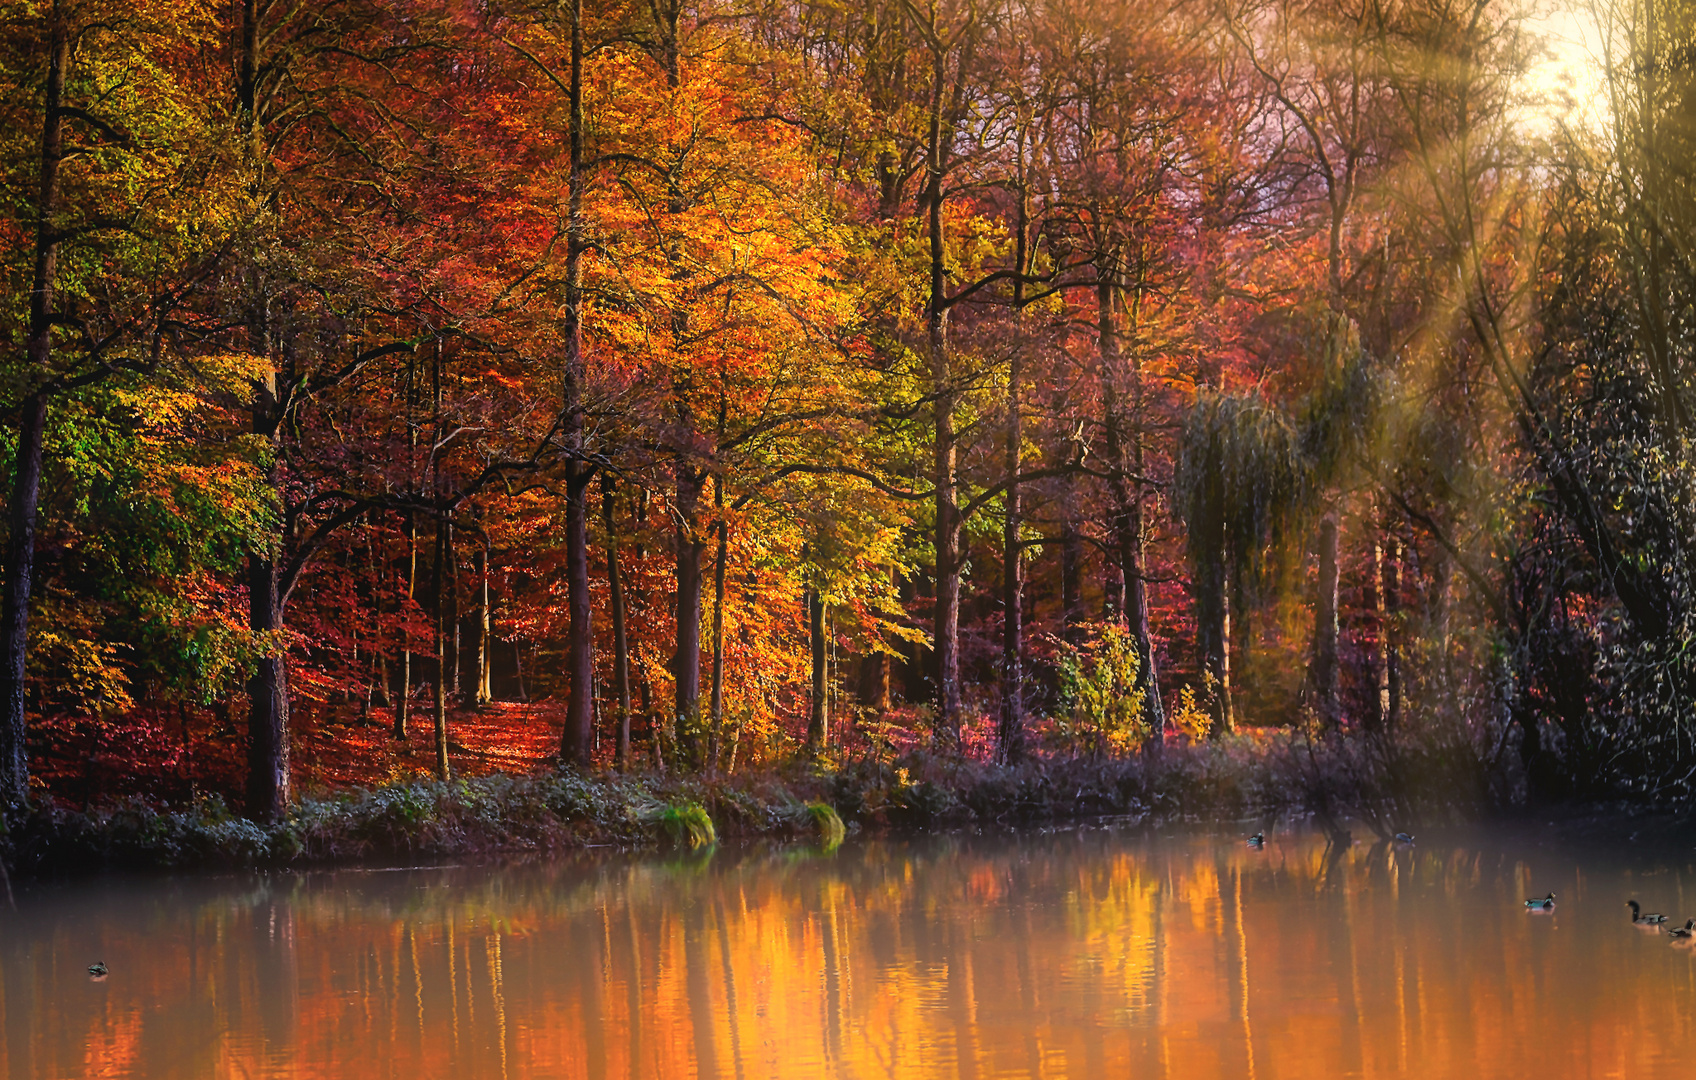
1190, 718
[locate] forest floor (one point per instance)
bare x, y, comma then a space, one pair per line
508, 737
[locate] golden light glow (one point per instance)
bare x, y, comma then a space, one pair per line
1565, 85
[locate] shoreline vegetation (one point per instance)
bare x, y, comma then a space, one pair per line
1343, 785
1275, 783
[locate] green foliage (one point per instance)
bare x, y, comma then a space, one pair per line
1100, 709
155, 523
688, 826
827, 825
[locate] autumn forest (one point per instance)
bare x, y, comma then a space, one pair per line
710, 387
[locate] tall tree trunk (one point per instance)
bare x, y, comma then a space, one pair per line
718, 626
946, 621
1387, 554
1071, 565
816, 717
438, 592
20, 560
577, 741
268, 793
403, 699
620, 637
577, 746
32, 424
686, 663
379, 653
1213, 622
1437, 620
1239, 642
1323, 673
1010, 741
268, 789
639, 597
1125, 484
873, 691
485, 627
453, 618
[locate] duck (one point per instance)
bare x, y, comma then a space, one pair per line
1640, 919
98, 969
1257, 840
1683, 932
1544, 904
1404, 838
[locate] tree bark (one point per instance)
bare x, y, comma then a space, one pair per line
1323, 673
1213, 627
268, 787
946, 620
577, 741
485, 627
1125, 464
620, 637
32, 424
686, 662
451, 613
438, 591
1386, 560
716, 730
1071, 565
20, 559
1010, 741
816, 716
403, 699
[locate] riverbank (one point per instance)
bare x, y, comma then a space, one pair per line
551, 810
1259, 775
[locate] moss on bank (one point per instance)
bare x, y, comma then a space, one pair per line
428, 819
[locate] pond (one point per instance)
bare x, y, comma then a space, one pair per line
1085, 952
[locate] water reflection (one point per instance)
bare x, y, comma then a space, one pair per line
1085, 954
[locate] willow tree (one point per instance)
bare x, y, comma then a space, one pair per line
1243, 479
1252, 474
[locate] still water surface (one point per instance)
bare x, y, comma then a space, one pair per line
1092, 953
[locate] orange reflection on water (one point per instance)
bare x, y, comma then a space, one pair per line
1081, 954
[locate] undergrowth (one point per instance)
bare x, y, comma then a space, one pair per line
1229, 778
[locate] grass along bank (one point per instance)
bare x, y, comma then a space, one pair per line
1268, 776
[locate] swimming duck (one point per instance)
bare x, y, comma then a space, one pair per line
1257, 840
1683, 931
1640, 919
98, 969
1542, 905
1404, 838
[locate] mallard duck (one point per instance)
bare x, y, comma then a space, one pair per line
1640, 919
1683, 931
98, 969
1257, 840
1404, 838
1544, 904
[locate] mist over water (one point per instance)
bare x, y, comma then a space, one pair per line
1084, 953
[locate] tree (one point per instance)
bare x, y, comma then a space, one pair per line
131, 197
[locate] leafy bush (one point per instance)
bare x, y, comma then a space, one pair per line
1101, 709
